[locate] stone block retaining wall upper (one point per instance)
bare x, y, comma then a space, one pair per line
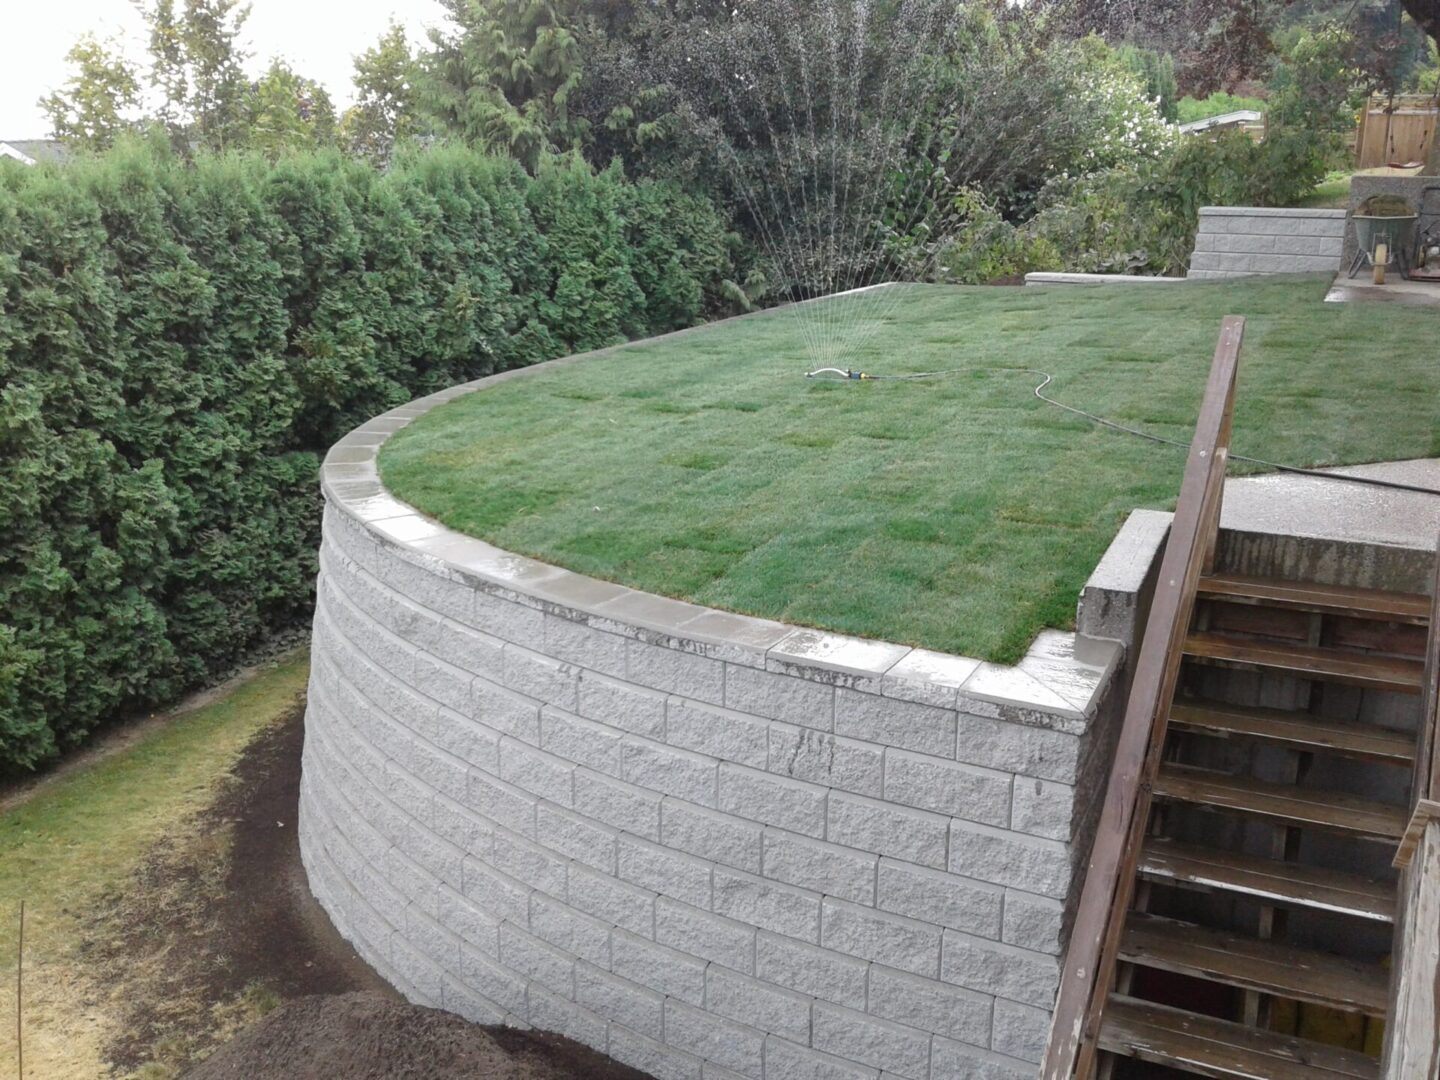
1237, 241
708, 845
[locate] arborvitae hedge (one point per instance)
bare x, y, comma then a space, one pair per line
180, 343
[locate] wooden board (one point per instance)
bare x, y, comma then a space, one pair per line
1269, 967
1288, 883
1327, 599
1373, 672
1339, 813
1218, 1048
1297, 729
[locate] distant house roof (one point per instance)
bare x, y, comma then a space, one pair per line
1238, 118
32, 151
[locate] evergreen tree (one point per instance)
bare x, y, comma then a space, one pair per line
288, 112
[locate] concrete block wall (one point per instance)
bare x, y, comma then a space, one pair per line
707, 845
1237, 241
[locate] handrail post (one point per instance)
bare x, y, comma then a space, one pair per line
1089, 960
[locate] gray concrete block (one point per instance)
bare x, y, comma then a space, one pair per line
666, 970
773, 800
527, 955
889, 722
781, 909
721, 733
495, 893
1033, 922
757, 1004
651, 1057
681, 773
699, 933
941, 898
1043, 808
713, 1038
819, 972
660, 870
780, 697
469, 742
618, 804
540, 677
958, 1061
880, 936
825, 868
1032, 864
615, 902
869, 1040
989, 967
621, 705
500, 803
948, 787
529, 863
784, 1060
536, 772
472, 924
1017, 748
581, 741
505, 711
619, 1000
570, 931
871, 825
577, 837
1021, 1031
721, 838
585, 647
459, 998
930, 1005
673, 672
823, 758
550, 1012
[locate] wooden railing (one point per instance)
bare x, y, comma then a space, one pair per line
1412, 1044
1089, 968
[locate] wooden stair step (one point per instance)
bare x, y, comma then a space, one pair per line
1372, 671
1270, 967
1303, 806
1309, 596
1271, 880
1298, 729
1204, 1045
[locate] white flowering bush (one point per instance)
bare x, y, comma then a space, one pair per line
1125, 126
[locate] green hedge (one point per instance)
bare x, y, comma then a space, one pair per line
179, 343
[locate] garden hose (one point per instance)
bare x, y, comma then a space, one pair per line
1046, 379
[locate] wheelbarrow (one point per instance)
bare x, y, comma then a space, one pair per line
1382, 242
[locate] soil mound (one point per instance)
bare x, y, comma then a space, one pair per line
367, 1036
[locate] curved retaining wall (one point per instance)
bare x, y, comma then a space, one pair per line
705, 844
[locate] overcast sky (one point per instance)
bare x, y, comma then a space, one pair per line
317, 37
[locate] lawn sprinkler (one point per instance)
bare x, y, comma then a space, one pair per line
1426, 263
1384, 225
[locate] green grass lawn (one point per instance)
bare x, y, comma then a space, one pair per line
958, 513
1332, 193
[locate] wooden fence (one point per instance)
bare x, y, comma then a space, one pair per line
1395, 131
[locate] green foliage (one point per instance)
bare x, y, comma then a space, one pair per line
179, 343
1189, 109
99, 99
288, 112
384, 110
1156, 72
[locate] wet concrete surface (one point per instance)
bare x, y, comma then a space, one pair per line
1306, 506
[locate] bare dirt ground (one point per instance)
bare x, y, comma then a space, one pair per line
216, 933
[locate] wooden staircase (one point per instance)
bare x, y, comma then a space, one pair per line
1240, 906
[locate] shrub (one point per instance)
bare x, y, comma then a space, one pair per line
180, 343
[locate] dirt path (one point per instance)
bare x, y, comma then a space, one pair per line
220, 930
